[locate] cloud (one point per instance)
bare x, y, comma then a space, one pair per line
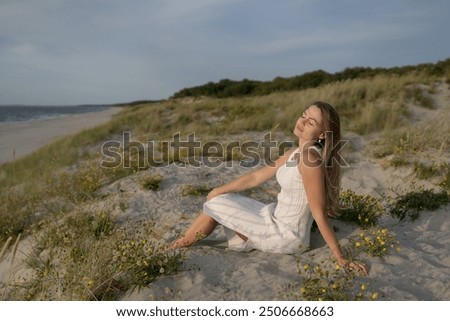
180, 12
330, 38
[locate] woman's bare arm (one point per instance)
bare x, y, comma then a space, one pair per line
252, 179
313, 180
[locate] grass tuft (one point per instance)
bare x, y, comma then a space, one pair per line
409, 205
195, 190
150, 181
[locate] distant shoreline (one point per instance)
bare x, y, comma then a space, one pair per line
25, 113
19, 139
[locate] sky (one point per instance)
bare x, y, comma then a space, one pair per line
67, 52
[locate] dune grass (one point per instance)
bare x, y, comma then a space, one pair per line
83, 255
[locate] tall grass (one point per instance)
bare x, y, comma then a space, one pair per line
85, 256
424, 147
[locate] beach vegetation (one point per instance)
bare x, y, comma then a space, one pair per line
445, 181
374, 242
195, 190
363, 210
328, 281
409, 205
424, 171
421, 96
231, 88
150, 181
85, 256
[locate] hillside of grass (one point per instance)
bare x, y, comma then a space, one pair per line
232, 88
52, 196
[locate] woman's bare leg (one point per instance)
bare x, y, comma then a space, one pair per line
202, 226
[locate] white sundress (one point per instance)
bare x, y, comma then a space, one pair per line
281, 227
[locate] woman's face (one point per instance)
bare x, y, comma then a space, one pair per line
309, 126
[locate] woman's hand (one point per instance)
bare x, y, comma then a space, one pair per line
359, 267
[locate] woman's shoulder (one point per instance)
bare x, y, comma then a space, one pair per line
286, 156
310, 158
290, 151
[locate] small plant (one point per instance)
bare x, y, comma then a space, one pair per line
140, 262
140, 259
410, 204
329, 282
193, 190
425, 171
399, 161
363, 210
151, 182
16, 213
123, 206
375, 243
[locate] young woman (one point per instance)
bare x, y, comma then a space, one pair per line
310, 179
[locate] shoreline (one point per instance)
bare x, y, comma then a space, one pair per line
22, 138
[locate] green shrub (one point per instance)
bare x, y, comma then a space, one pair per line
410, 204
363, 210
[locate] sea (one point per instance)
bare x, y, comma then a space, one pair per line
27, 113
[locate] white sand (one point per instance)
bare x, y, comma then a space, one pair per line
21, 138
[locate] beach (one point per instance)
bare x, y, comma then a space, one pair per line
22, 138
417, 268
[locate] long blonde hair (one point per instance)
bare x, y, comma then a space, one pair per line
330, 154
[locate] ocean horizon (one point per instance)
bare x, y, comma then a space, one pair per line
29, 113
